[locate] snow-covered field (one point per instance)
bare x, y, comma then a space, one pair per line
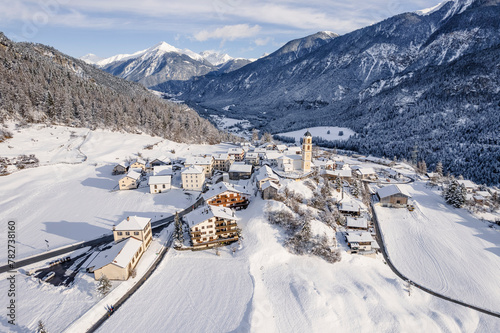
325, 132
264, 288
443, 248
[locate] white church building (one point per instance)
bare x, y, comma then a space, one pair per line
294, 162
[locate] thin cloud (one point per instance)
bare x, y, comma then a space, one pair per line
228, 33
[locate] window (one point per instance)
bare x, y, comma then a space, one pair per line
136, 233
127, 233
164, 186
156, 186
119, 233
203, 227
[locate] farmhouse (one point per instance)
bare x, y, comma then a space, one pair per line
226, 195
392, 196
361, 242
266, 174
159, 184
269, 190
212, 225
469, 185
240, 170
349, 207
193, 178
139, 164
118, 262
120, 169
162, 160
130, 181
365, 173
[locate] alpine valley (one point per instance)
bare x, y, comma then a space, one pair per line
428, 79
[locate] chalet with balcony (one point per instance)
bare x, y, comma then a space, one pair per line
226, 195
212, 225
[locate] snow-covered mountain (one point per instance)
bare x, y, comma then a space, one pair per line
429, 79
164, 62
91, 59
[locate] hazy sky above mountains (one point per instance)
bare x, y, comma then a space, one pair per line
240, 28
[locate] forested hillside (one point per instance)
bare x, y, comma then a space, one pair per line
40, 84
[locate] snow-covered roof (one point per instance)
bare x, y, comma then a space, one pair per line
281, 147
204, 213
484, 194
357, 237
119, 254
240, 167
133, 174
218, 157
155, 180
198, 160
350, 206
360, 222
193, 169
366, 171
294, 150
128, 251
163, 159
270, 184
163, 170
339, 173
266, 172
467, 183
237, 151
259, 150
133, 223
251, 155
390, 190
221, 188
139, 161
272, 155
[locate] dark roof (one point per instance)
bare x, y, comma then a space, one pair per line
307, 133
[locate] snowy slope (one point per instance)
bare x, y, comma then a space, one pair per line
264, 288
445, 249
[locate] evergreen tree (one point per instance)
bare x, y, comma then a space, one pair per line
439, 169
178, 232
41, 328
455, 194
356, 187
104, 286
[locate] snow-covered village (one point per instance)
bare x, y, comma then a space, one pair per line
226, 166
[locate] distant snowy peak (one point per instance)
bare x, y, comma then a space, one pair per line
216, 58
456, 7
91, 58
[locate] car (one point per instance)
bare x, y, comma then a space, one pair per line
48, 276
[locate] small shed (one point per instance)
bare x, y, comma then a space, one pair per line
269, 190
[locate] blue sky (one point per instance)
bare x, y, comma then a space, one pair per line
240, 28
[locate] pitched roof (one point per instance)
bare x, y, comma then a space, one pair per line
339, 173
193, 169
220, 188
467, 183
356, 237
133, 223
155, 180
163, 170
204, 213
119, 254
269, 184
266, 172
240, 167
198, 160
390, 190
133, 174
235, 150
359, 222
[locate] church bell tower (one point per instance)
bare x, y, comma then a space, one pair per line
306, 152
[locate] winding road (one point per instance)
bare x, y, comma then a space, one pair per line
380, 241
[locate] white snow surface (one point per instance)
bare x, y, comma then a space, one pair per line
264, 288
443, 248
322, 131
